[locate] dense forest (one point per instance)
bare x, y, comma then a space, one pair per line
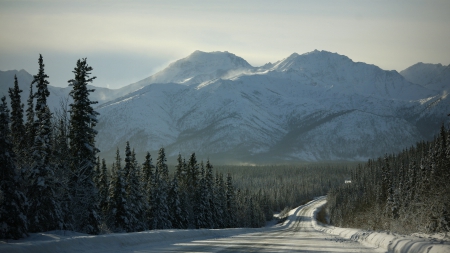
52, 177
287, 186
405, 193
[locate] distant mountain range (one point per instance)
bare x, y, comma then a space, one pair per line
309, 107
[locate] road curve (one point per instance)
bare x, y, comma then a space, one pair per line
297, 235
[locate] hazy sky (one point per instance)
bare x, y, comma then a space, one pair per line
126, 41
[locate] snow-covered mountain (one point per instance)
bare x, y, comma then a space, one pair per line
196, 68
433, 76
314, 106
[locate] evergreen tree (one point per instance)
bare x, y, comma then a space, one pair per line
220, 202
210, 197
201, 206
17, 124
180, 173
103, 189
60, 160
30, 129
192, 172
160, 211
161, 164
117, 202
133, 189
44, 210
148, 184
13, 222
231, 207
83, 151
41, 84
178, 216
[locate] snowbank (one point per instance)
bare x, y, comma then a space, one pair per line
391, 242
55, 241
67, 241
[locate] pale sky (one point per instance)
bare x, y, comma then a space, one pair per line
126, 41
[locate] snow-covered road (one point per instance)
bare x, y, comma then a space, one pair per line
297, 235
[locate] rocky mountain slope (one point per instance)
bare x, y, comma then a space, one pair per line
432, 76
314, 106
309, 107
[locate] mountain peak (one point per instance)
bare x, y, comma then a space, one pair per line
198, 67
433, 76
312, 60
223, 60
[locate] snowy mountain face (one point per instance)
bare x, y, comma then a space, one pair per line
433, 76
197, 68
315, 106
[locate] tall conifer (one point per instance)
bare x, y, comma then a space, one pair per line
17, 124
13, 222
82, 134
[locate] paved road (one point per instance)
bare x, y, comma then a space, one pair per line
298, 236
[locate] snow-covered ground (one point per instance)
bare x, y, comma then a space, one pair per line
299, 233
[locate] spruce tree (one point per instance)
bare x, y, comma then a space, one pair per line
13, 222
220, 202
148, 185
201, 202
117, 200
103, 189
161, 163
231, 207
17, 124
82, 134
134, 191
192, 172
160, 209
44, 211
178, 216
30, 128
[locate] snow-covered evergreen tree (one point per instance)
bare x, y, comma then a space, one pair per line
82, 134
209, 188
44, 211
102, 185
134, 191
193, 173
148, 185
13, 222
30, 128
231, 207
161, 164
201, 202
178, 215
117, 201
60, 159
17, 124
160, 209
220, 200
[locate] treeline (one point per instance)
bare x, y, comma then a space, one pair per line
276, 187
137, 197
405, 193
52, 179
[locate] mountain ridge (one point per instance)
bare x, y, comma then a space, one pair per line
305, 107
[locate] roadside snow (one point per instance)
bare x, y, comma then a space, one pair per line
389, 241
66, 241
